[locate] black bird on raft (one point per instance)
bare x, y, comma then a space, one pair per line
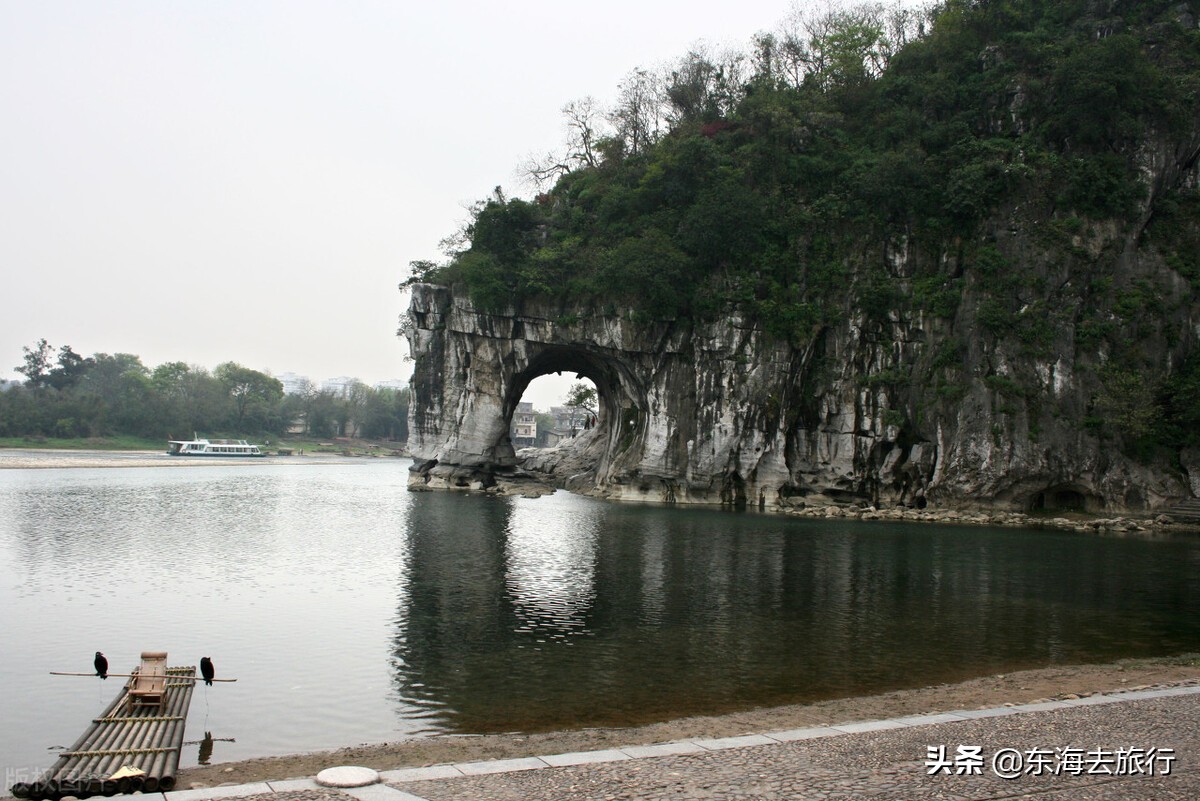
101, 665
206, 670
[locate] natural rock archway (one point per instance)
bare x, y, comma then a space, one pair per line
719, 412
688, 413
472, 369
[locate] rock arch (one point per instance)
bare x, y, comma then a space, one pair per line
719, 412
618, 390
714, 412
472, 369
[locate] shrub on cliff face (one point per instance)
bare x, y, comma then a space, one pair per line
1002, 105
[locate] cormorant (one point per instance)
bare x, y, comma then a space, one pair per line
101, 665
206, 670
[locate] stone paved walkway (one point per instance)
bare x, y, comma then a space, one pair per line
1136, 745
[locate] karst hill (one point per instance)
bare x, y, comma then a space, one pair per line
953, 264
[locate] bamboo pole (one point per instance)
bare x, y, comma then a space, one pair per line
154, 769
136, 729
113, 731
168, 763
102, 729
139, 725
41, 788
119, 728
174, 737
68, 763
116, 734
126, 737
132, 675
169, 716
94, 765
151, 739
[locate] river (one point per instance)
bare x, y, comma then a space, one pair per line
352, 611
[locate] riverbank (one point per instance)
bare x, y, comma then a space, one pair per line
1026, 686
1080, 522
39, 459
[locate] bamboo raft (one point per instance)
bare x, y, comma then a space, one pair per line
130, 733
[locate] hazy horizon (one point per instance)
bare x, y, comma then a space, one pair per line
247, 182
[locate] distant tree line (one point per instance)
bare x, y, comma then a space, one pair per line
67, 395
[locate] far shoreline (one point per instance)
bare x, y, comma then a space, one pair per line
33, 458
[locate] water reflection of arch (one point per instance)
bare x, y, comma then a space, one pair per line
452, 608
677, 612
492, 587
550, 553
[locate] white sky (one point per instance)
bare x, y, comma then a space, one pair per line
247, 181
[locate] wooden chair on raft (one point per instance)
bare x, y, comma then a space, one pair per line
148, 684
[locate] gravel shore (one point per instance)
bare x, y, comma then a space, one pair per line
1012, 688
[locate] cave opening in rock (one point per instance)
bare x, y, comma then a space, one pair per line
595, 430
554, 408
1060, 499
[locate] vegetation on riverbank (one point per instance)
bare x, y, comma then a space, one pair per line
113, 401
345, 446
113, 443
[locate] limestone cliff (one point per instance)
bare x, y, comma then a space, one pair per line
720, 413
970, 282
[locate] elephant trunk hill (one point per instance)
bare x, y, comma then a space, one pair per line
968, 281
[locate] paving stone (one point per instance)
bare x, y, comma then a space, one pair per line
291, 785
380, 792
928, 720
1174, 691
501, 766
1091, 700
870, 725
993, 712
584, 758
231, 791
804, 734
661, 749
1044, 706
419, 774
722, 743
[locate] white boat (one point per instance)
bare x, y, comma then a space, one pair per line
216, 447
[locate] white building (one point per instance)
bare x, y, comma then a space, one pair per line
339, 386
294, 384
523, 431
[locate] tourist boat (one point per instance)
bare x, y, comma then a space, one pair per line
216, 447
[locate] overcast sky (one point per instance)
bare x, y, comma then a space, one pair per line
247, 181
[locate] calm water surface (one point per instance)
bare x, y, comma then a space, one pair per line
353, 611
